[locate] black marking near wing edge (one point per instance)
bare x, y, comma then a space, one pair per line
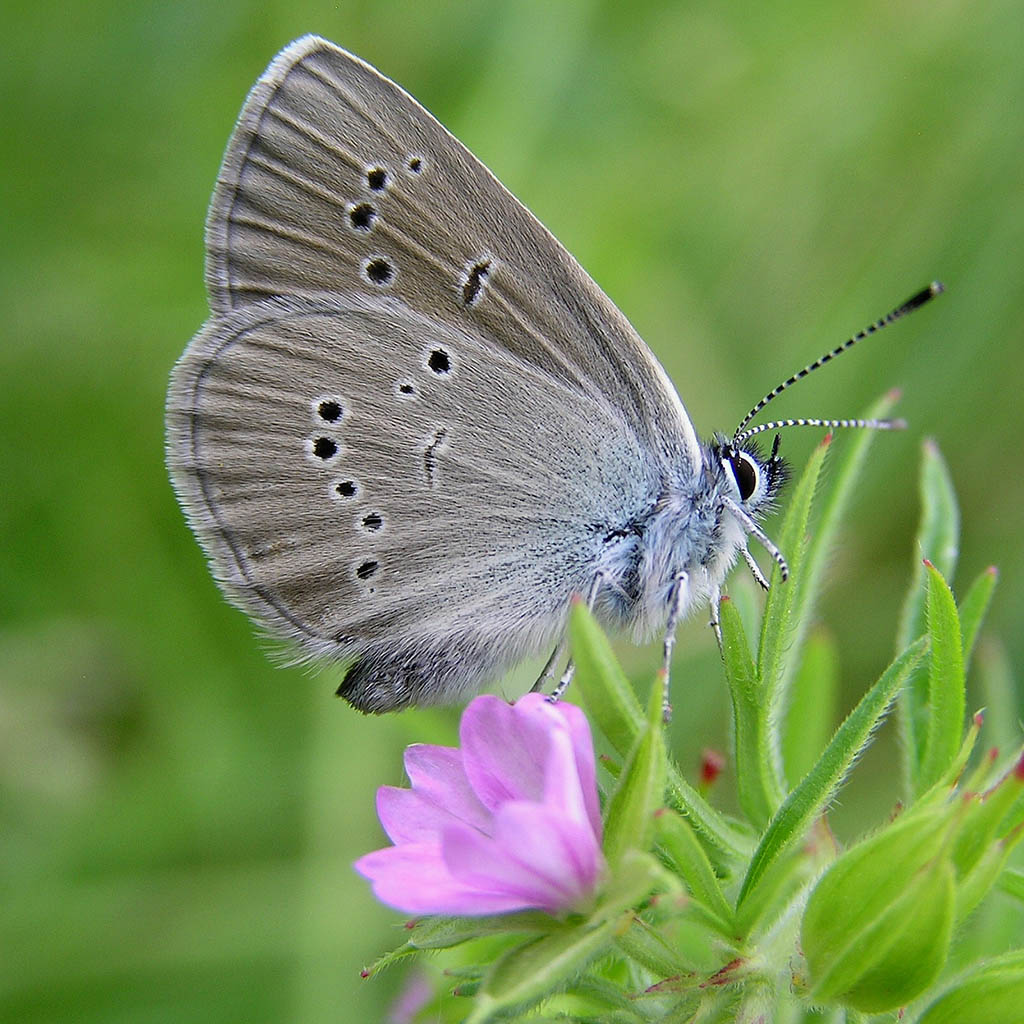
247, 585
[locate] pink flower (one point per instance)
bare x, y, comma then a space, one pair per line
508, 821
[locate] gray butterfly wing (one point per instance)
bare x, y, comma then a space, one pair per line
336, 180
393, 491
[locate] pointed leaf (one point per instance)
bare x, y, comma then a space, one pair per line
760, 789
648, 947
984, 819
943, 786
1012, 883
937, 540
611, 703
445, 932
972, 889
991, 993
850, 459
812, 711
523, 976
639, 792
946, 682
686, 855
607, 694
974, 606
786, 599
806, 802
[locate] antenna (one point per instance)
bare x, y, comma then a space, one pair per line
914, 302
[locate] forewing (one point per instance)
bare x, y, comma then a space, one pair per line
390, 492
336, 180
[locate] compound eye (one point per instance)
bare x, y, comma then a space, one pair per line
747, 474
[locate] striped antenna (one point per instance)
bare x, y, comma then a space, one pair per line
738, 439
914, 302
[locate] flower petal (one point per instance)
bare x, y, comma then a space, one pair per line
583, 751
436, 773
559, 848
413, 878
505, 747
408, 817
541, 859
562, 789
508, 822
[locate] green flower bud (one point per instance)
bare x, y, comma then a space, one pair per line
992, 994
877, 927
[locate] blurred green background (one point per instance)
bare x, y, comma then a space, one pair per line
749, 182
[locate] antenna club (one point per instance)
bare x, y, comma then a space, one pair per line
923, 296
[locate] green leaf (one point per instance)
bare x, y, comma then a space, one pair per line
972, 889
526, 974
851, 457
877, 926
760, 790
991, 993
946, 681
984, 820
445, 932
649, 948
724, 842
532, 970
1012, 882
612, 704
610, 700
785, 600
937, 540
602, 1000
784, 883
636, 877
812, 709
639, 792
974, 606
686, 855
944, 785
806, 802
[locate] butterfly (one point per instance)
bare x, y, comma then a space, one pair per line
413, 427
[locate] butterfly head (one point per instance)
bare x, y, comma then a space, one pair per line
757, 478
753, 481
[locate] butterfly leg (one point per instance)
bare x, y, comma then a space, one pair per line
755, 569
675, 610
714, 601
548, 672
570, 668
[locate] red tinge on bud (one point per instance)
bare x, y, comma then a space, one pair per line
712, 764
